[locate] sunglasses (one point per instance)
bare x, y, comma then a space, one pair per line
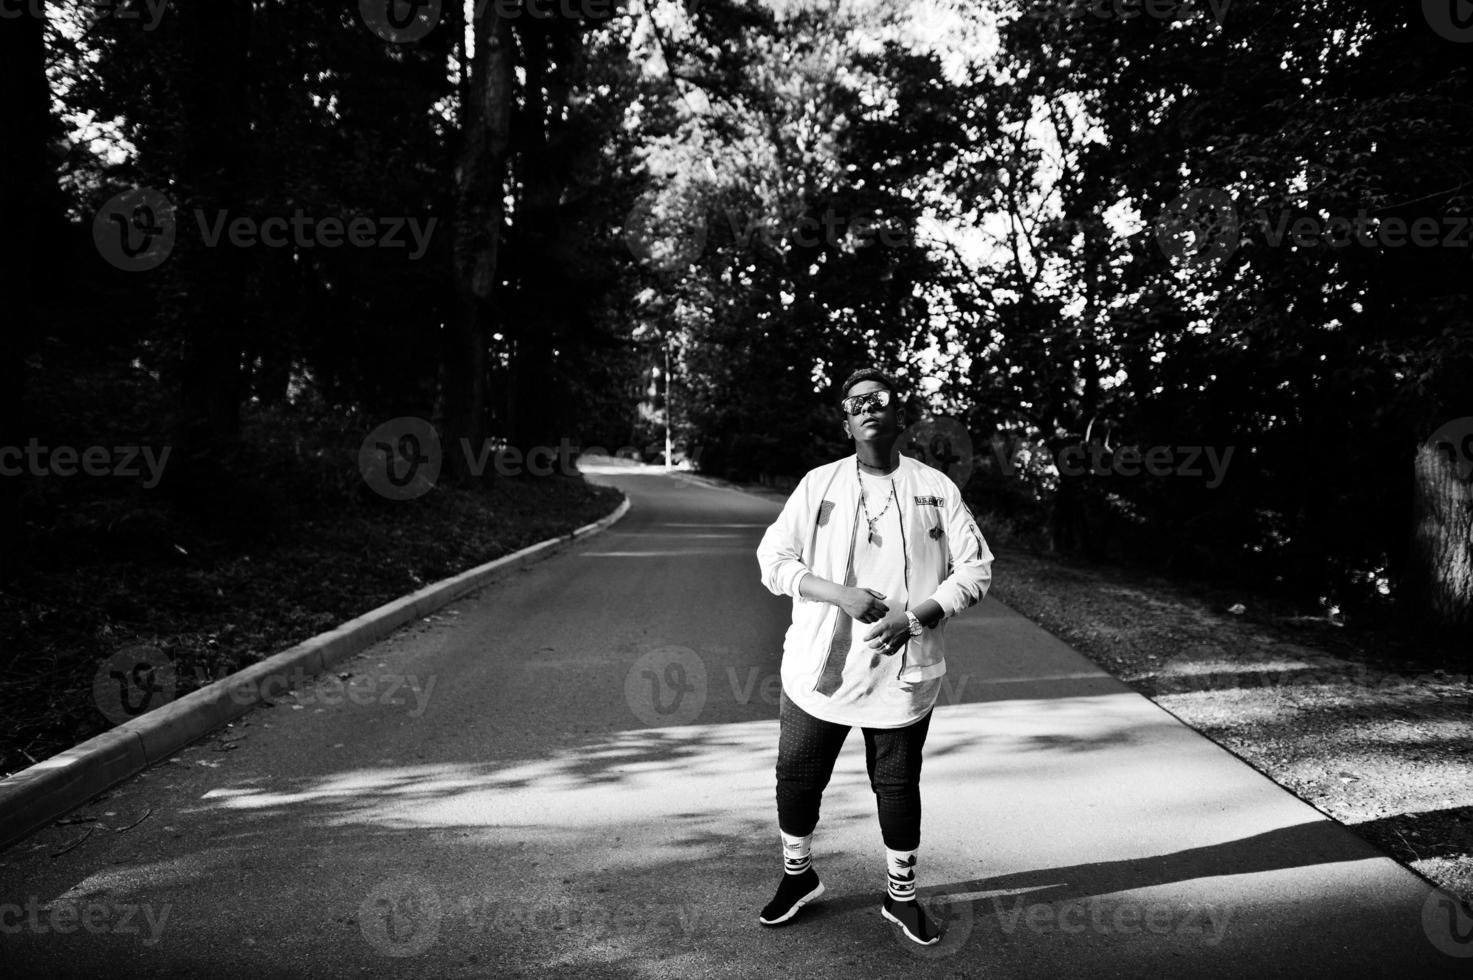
859, 404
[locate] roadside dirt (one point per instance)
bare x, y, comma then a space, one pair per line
1374, 735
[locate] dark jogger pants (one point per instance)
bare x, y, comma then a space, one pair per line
807, 749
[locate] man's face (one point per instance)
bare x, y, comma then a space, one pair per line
873, 422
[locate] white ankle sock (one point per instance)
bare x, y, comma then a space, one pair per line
901, 866
796, 859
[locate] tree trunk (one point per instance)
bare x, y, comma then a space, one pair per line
1439, 586
29, 247
480, 215
216, 37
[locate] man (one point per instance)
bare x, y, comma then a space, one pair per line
883, 541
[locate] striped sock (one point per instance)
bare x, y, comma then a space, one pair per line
796, 858
901, 866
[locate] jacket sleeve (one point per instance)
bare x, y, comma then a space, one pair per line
780, 554
971, 559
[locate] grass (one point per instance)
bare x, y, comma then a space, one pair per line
213, 602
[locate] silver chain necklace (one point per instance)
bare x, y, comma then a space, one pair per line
874, 537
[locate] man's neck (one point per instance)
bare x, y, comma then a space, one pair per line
876, 461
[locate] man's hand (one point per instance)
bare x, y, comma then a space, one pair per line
865, 605
890, 633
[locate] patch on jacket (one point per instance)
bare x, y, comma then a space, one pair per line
825, 508
935, 533
930, 501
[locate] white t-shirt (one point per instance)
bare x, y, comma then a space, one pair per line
870, 695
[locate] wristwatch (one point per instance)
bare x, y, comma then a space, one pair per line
915, 624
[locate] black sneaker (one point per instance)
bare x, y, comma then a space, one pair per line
912, 920
794, 892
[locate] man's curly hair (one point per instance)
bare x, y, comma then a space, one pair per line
872, 374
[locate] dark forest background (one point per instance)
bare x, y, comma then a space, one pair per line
1062, 226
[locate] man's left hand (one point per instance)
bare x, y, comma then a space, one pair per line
889, 634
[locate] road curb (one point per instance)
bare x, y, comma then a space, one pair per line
33, 797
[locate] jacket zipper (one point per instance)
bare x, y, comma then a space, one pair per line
848, 570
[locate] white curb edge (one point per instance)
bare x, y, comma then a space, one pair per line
34, 797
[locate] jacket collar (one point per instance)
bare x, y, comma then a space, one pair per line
849, 468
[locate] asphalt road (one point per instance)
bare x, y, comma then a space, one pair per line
569, 774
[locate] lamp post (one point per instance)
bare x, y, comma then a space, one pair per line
668, 454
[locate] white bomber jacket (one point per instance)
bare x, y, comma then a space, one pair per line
946, 559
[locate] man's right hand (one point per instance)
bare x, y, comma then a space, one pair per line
865, 605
